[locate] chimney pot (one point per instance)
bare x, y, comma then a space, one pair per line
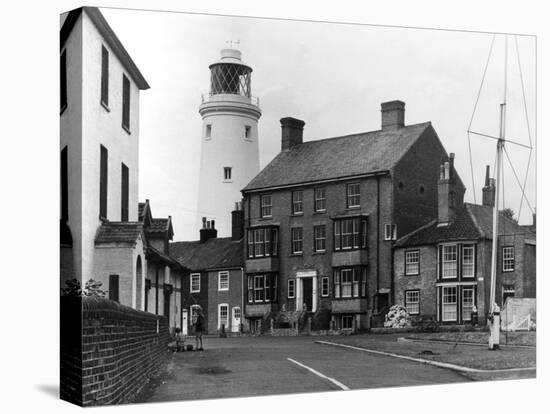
393, 114
292, 131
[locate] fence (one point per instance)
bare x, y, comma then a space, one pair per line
108, 351
518, 314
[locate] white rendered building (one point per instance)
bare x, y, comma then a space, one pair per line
229, 141
101, 237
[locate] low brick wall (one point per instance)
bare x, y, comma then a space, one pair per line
108, 351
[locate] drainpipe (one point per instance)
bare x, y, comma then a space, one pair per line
242, 300
377, 238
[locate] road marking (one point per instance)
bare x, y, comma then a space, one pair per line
426, 361
335, 382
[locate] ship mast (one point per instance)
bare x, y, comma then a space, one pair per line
494, 314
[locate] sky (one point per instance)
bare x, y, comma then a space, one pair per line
334, 77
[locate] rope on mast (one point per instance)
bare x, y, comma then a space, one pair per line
518, 181
473, 114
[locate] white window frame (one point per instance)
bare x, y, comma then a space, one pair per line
266, 206
444, 261
467, 310
450, 304
465, 265
233, 312
322, 199
415, 303
325, 287
294, 241
297, 202
220, 321
291, 282
508, 259
409, 262
223, 286
347, 317
351, 197
390, 231
195, 277
317, 239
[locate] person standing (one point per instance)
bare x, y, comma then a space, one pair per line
199, 329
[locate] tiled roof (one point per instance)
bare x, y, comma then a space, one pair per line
118, 232
215, 253
471, 222
158, 225
157, 255
109, 36
331, 158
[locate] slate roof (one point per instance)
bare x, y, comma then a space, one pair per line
118, 232
156, 254
216, 253
338, 157
159, 225
109, 36
471, 222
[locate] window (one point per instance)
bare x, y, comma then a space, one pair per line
195, 282
223, 315
227, 173
350, 282
508, 259
350, 233
347, 321
390, 232
449, 262
412, 301
297, 202
412, 262
125, 102
324, 287
353, 198
319, 238
508, 291
296, 240
113, 287
468, 260
64, 184
236, 313
467, 302
247, 131
291, 288
320, 202
124, 192
265, 205
262, 242
223, 280
208, 131
63, 81
449, 303
103, 182
262, 288
104, 76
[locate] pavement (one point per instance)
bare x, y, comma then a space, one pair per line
256, 366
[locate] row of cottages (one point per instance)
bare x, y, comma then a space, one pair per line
215, 281
105, 234
322, 217
443, 269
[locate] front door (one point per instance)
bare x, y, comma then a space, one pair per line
184, 321
307, 289
236, 319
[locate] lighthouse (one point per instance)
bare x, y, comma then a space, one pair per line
229, 139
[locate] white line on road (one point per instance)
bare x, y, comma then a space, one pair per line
335, 382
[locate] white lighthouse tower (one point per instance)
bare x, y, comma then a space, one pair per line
229, 142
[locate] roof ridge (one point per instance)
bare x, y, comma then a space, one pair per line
474, 219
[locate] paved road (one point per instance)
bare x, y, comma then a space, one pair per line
250, 366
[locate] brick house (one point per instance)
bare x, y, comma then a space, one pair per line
322, 216
443, 269
100, 86
215, 280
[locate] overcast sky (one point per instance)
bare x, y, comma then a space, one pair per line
332, 76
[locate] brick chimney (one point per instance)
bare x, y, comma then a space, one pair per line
208, 230
488, 190
450, 196
237, 222
292, 132
393, 114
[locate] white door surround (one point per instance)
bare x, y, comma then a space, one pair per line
300, 275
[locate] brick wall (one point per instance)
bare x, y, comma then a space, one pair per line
231, 297
108, 351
